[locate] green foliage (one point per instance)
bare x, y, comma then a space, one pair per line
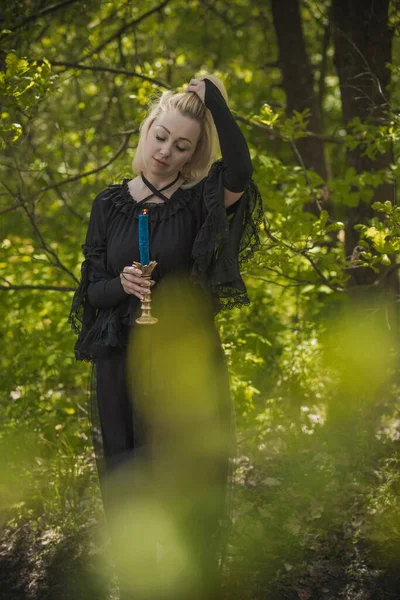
316, 485
290, 128
374, 139
319, 488
23, 85
380, 241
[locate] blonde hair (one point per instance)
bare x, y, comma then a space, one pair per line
188, 105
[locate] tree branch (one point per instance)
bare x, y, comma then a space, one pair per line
49, 251
322, 276
102, 69
288, 277
10, 208
310, 134
300, 252
210, 6
67, 205
56, 186
55, 288
283, 285
303, 166
86, 173
124, 28
43, 12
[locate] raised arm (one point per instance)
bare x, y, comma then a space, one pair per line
235, 152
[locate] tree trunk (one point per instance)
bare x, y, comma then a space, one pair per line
298, 82
363, 47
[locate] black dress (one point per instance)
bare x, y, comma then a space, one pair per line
199, 247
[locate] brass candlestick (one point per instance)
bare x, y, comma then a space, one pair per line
146, 317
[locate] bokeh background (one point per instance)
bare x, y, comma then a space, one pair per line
313, 360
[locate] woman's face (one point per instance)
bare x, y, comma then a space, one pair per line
170, 143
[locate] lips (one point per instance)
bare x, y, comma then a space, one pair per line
160, 162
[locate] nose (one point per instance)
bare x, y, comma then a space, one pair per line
165, 150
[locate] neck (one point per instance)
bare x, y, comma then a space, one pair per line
158, 180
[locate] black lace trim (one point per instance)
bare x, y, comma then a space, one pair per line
227, 239
97, 329
121, 198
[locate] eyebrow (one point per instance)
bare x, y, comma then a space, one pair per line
181, 138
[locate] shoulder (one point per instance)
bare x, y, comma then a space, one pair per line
216, 168
104, 206
211, 178
211, 183
105, 201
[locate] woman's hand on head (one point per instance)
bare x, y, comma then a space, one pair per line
198, 87
133, 282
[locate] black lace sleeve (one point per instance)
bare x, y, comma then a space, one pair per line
94, 313
226, 239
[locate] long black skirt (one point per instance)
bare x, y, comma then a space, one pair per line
163, 431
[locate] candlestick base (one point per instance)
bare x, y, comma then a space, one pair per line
146, 317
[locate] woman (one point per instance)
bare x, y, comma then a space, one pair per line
203, 217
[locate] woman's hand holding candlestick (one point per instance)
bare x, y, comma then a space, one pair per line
133, 282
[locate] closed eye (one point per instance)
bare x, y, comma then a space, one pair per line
163, 140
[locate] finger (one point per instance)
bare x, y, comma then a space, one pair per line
143, 293
127, 285
135, 280
127, 279
131, 274
140, 294
132, 270
142, 287
137, 291
132, 284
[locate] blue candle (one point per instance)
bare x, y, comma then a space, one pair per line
144, 237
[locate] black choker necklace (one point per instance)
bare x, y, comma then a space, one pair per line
155, 191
